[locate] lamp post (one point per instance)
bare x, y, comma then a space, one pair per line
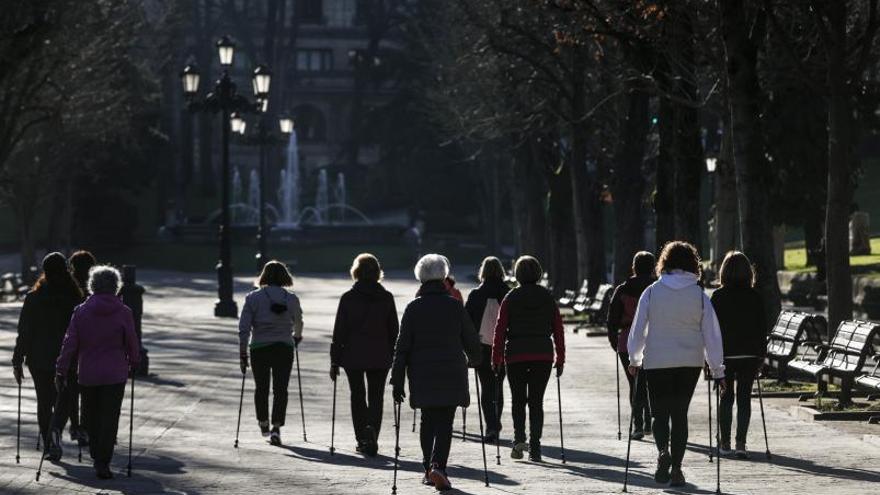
224, 99
711, 164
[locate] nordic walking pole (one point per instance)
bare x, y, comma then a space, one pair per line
46, 442
617, 373
632, 414
559, 401
498, 419
709, 393
333, 419
18, 429
130, 424
240, 404
79, 456
763, 422
463, 424
718, 442
302, 411
482, 437
414, 420
397, 406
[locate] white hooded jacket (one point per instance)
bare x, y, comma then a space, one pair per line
676, 326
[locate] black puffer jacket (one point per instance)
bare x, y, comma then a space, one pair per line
437, 342
366, 328
42, 324
741, 316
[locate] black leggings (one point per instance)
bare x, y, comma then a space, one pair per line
490, 395
366, 401
528, 381
435, 435
670, 391
44, 386
271, 362
638, 401
102, 404
739, 375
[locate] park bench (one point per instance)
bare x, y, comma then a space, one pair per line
794, 336
842, 360
569, 298
596, 310
13, 287
871, 380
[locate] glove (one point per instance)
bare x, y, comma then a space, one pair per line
559, 367
243, 362
720, 385
296, 341
398, 394
17, 372
60, 383
334, 371
633, 370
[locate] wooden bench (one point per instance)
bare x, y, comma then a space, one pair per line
842, 360
568, 300
871, 381
595, 309
794, 336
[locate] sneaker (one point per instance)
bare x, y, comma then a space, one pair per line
725, 448
517, 451
55, 451
664, 462
491, 436
741, 452
275, 437
637, 435
441, 481
677, 478
427, 481
264, 428
371, 446
102, 471
535, 453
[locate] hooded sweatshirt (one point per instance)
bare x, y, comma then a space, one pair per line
262, 326
675, 326
366, 328
101, 337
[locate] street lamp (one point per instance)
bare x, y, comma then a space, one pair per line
711, 163
225, 100
285, 123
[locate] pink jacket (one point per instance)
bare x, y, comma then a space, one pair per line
101, 337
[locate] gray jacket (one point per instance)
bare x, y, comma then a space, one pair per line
260, 325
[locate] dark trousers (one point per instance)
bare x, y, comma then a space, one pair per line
102, 404
366, 401
739, 375
274, 363
638, 398
44, 386
435, 435
68, 405
490, 393
670, 391
528, 381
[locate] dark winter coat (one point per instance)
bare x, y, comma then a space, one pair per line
622, 310
436, 345
529, 328
741, 316
366, 328
41, 326
477, 298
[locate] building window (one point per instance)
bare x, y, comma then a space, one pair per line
341, 13
314, 60
310, 11
310, 124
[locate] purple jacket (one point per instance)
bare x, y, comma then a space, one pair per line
101, 337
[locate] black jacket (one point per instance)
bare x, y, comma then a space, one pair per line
741, 317
42, 324
622, 309
437, 342
366, 328
476, 301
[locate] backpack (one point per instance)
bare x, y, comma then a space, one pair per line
487, 324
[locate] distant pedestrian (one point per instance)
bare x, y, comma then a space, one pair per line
363, 345
674, 332
102, 340
483, 306
621, 313
528, 331
740, 311
80, 263
270, 326
42, 323
450, 286
437, 343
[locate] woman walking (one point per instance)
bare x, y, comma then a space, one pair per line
437, 343
363, 345
102, 339
621, 313
528, 330
42, 323
80, 263
674, 332
483, 305
270, 326
740, 311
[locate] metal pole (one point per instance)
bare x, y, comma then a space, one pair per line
262, 231
225, 306
18, 429
130, 424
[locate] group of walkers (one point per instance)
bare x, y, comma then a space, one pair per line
78, 341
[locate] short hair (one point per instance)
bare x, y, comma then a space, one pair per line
104, 279
491, 269
736, 270
431, 267
275, 273
366, 268
679, 255
527, 270
643, 264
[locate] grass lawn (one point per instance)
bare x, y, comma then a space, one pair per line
796, 259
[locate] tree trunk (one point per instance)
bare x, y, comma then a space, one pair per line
663, 196
726, 218
563, 248
753, 173
629, 184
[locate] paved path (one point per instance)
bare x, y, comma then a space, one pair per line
185, 424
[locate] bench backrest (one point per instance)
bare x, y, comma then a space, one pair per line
852, 344
602, 294
787, 334
583, 296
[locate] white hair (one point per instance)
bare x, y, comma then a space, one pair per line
104, 279
431, 267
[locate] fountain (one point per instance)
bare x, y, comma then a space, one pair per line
236, 196
322, 199
340, 195
253, 200
288, 192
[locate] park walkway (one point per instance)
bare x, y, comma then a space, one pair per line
185, 423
